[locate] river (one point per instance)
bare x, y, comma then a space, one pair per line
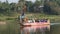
54, 29
13, 28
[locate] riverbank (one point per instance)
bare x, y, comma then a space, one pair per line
53, 18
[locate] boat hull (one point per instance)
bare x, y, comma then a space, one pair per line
36, 24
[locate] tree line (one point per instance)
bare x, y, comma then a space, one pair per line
48, 7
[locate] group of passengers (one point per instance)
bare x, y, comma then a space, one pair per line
37, 20
26, 20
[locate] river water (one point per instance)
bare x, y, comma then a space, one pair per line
54, 29
13, 28
34, 30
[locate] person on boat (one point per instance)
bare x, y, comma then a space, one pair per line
43, 20
22, 16
26, 19
30, 21
33, 20
36, 20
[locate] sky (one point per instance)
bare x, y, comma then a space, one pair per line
15, 1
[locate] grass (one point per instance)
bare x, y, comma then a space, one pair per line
53, 18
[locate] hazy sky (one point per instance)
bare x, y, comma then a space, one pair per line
15, 1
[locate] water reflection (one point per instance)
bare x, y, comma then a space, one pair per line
34, 29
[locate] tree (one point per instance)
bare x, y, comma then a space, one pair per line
50, 8
30, 6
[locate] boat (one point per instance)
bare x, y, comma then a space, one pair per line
41, 22
32, 22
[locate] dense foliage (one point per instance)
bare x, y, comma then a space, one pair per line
50, 7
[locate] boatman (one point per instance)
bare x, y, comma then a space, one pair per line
23, 14
22, 17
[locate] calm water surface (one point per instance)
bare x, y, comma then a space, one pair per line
13, 28
55, 29
34, 30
